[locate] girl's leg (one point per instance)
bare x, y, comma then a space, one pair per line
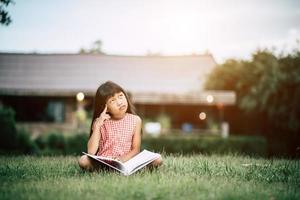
87, 163
158, 162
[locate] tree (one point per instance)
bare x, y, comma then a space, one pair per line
268, 85
5, 19
95, 49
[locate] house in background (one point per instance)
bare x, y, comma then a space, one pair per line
42, 88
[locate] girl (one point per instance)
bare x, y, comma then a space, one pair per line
115, 129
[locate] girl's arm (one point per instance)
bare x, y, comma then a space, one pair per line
136, 142
93, 143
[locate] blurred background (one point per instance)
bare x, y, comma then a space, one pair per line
205, 76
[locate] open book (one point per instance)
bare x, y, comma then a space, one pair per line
129, 167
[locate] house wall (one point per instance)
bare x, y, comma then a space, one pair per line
31, 113
179, 114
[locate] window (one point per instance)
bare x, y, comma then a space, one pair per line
56, 111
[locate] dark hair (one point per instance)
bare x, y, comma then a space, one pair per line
103, 93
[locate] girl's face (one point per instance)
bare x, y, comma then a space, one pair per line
117, 105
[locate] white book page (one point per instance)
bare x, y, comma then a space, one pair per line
140, 160
115, 164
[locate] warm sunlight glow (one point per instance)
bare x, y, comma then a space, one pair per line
210, 98
80, 96
202, 116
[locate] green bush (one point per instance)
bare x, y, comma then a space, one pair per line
8, 129
14, 141
77, 143
246, 145
41, 142
56, 141
52, 143
25, 144
57, 144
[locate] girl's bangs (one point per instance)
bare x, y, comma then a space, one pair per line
110, 93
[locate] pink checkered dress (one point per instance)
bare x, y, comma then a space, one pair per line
116, 136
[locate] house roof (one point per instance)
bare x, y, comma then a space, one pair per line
67, 74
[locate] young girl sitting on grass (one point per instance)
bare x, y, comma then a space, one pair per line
115, 130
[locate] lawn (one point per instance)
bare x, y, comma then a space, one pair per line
181, 177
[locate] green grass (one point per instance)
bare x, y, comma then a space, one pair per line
181, 177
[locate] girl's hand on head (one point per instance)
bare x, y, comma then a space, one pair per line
98, 122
